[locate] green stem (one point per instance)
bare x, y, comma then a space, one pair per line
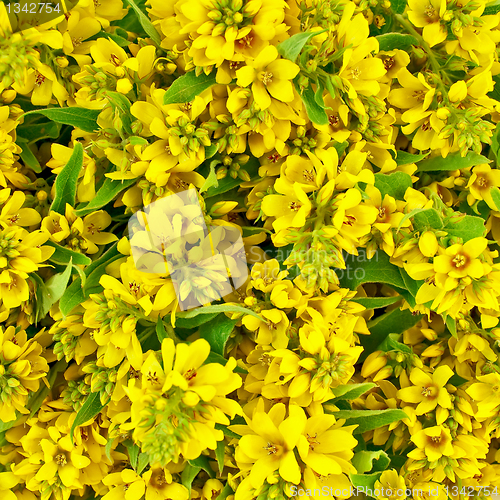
436, 67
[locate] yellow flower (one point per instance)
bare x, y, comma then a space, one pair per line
126, 484
486, 394
428, 391
433, 442
483, 178
394, 486
272, 327
290, 208
326, 447
268, 75
160, 485
62, 459
427, 14
269, 442
21, 369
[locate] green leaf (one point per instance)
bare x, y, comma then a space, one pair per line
67, 180
219, 454
404, 158
188, 475
195, 322
142, 462
39, 131
451, 324
376, 302
72, 297
217, 308
88, 411
492, 8
203, 462
427, 219
211, 180
395, 321
226, 491
75, 294
391, 41
137, 141
350, 392
291, 47
368, 461
360, 270
365, 482
315, 112
146, 24
133, 452
51, 291
27, 155
227, 432
495, 194
107, 193
217, 332
453, 161
161, 332
398, 6
64, 255
82, 118
468, 228
187, 87
367, 420
394, 184
5, 426
109, 445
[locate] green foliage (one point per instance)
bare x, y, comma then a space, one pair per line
187, 87
67, 181
82, 118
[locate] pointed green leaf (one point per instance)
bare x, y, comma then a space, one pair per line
82, 118
376, 302
453, 161
217, 308
64, 255
219, 455
217, 331
146, 24
349, 392
187, 87
367, 420
315, 112
88, 411
291, 47
106, 194
67, 180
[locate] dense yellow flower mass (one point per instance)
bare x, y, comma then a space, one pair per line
319, 313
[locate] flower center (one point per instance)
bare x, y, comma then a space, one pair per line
459, 260
267, 78
60, 459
